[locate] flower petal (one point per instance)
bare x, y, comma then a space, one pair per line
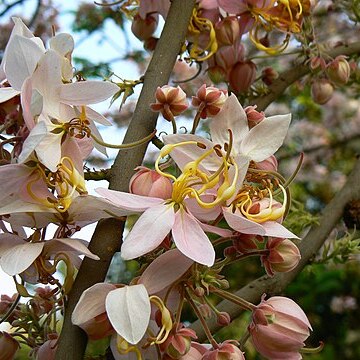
36, 136
132, 202
22, 56
91, 303
164, 270
190, 152
191, 240
239, 223
148, 232
128, 310
18, 258
265, 138
87, 92
7, 93
232, 116
274, 229
70, 245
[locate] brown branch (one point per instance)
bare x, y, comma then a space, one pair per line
107, 236
295, 73
309, 246
333, 144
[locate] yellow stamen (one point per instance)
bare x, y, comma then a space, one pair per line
166, 321
123, 347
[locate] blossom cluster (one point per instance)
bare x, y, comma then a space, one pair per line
202, 193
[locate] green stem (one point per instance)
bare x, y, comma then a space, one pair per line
235, 299
127, 145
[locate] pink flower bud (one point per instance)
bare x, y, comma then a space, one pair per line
143, 29
317, 62
98, 327
253, 116
8, 345
283, 256
170, 101
227, 56
47, 350
205, 311
223, 318
210, 99
178, 342
268, 75
279, 328
217, 74
242, 75
227, 30
339, 70
150, 44
321, 91
246, 242
269, 164
147, 182
226, 351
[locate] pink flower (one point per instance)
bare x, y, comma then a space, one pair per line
170, 101
158, 219
210, 99
279, 328
147, 182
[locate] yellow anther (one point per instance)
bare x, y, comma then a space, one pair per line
268, 214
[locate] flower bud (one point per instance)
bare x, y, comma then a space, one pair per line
253, 116
143, 29
170, 101
223, 318
216, 74
317, 62
279, 328
147, 182
150, 44
227, 30
321, 91
178, 342
268, 75
227, 56
8, 345
242, 75
283, 256
225, 351
199, 291
246, 242
339, 70
205, 311
210, 99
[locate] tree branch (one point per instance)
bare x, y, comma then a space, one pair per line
107, 236
295, 73
309, 246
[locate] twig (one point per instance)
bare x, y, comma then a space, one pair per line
309, 246
295, 73
107, 236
